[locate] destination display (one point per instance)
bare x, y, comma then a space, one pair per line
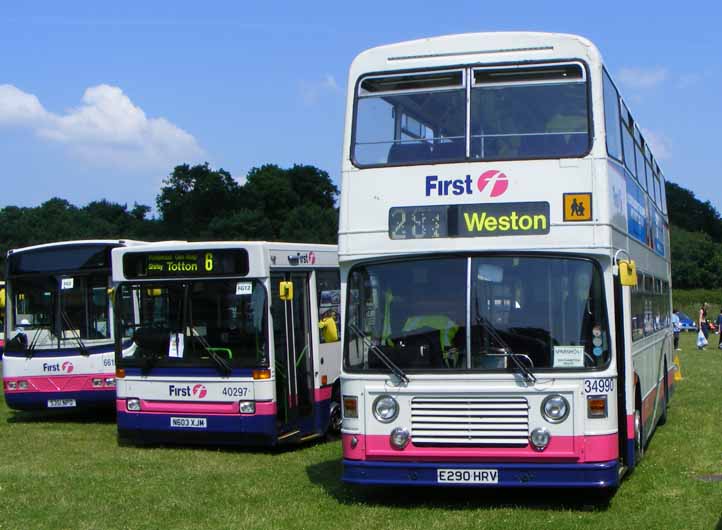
469, 220
208, 262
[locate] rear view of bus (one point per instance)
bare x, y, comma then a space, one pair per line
227, 343
59, 326
494, 190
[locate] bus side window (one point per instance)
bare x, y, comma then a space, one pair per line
328, 295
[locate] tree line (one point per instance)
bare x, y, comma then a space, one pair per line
197, 203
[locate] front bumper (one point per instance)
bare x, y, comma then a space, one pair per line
595, 475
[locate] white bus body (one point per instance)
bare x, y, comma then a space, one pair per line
487, 337
59, 326
210, 353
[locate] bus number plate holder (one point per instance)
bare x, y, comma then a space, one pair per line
467, 476
189, 423
61, 403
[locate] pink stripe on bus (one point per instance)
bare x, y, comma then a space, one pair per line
263, 408
323, 393
598, 448
61, 383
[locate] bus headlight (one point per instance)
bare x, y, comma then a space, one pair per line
540, 438
133, 404
555, 408
11, 385
385, 409
399, 438
248, 407
22, 385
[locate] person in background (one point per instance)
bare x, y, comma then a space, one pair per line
719, 329
676, 328
702, 322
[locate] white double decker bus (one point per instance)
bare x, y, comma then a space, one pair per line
227, 342
59, 326
496, 194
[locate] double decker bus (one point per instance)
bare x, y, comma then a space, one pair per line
498, 205
227, 343
2, 318
59, 340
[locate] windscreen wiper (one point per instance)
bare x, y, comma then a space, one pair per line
398, 372
526, 372
75, 334
36, 337
223, 364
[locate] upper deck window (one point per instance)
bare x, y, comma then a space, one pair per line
414, 118
529, 112
516, 112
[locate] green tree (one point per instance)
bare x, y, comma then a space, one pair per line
191, 197
696, 259
691, 214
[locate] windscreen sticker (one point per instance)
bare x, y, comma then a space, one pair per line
176, 345
568, 356
244, 288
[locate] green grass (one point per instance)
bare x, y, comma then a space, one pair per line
72, 474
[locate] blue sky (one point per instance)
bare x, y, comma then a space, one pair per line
101, 101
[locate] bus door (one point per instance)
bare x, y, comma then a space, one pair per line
292, 345
622, 311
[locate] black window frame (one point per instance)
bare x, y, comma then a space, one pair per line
468, 85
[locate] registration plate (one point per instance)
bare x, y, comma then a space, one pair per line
60, 403
467, 476
189, 423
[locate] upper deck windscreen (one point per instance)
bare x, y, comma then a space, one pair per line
60, 258
512, 113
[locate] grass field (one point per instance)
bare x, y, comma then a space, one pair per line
72, 474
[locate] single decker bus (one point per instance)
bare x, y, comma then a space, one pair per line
505, 266
227, 342
59, 347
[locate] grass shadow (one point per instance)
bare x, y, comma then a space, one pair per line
93, 416
215, 446
328, 475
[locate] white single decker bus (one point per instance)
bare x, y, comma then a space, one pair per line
496, 196
227, 342
59, 326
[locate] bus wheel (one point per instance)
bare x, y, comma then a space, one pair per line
334, 422
638, 436
663, 417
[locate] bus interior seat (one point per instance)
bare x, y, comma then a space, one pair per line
409, 153
450, 150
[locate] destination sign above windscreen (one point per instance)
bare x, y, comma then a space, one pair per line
469, 220
194, 263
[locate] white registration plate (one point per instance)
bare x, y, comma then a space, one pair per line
467, 476
189, 423
60, 403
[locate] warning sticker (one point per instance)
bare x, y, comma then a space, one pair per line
577, 207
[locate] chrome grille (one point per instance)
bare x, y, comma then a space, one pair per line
470, 421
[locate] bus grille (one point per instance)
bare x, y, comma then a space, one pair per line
476, 421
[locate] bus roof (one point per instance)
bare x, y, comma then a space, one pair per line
81, 242
470, 48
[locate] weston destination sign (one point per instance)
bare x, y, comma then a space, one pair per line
469, 220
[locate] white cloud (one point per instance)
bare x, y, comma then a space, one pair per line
313, 91
659, 143
107, 129
642, 77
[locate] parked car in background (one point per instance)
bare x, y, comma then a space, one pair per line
687, 323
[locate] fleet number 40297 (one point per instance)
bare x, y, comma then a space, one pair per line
235, 391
